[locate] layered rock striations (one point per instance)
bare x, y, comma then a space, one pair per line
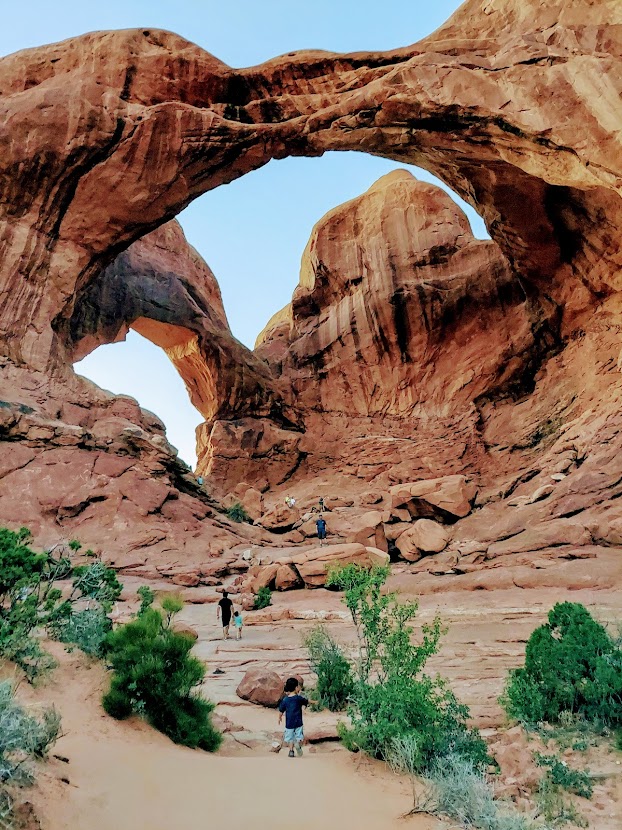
496, 359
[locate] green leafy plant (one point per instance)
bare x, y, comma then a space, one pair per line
392, 696
571, 665
155, 676
237, 513
335, 683
87, 629
263, 598
147, 598
554, 805
561, 775
23, 738
30, 599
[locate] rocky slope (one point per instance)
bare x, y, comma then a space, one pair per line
411, 350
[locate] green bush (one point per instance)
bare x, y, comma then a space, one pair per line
392, 696
155, 677
23, 737
335, 683
571, 665
263, 598
30, 599
86, 629
237, 513
561, 775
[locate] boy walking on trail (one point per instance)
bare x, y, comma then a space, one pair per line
292, 705
223, 612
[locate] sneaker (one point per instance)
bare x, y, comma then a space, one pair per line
299, 751
291, 753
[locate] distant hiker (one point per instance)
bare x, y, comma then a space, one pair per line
321, 504
238, 622
321, 530
292, 705
223, 611
200, 481
289, 501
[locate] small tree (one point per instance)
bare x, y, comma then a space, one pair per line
155, 677
335, 683
30, 598
392, 696
571, 665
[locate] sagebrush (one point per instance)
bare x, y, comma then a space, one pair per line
24, 736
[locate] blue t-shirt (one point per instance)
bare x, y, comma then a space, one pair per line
321, 525
292, 706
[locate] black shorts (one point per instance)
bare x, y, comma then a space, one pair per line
226, 621
321, 534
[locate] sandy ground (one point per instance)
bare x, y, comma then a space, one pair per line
126, 776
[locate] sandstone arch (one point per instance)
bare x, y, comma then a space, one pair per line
164, 290
500, 103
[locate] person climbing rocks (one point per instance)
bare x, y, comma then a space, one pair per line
321, 504
238, 622
292, 705
223, 612
289, 501
321, 530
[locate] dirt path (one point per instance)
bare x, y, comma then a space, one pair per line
126, 776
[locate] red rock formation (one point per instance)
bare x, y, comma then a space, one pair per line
107, 136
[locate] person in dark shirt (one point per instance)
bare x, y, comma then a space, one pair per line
223, 611
291, 706
321, 530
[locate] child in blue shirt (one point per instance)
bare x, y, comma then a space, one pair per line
292, 705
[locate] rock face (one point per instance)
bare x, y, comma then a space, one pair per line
399, 307
410, 352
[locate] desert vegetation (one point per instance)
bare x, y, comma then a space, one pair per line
155, 677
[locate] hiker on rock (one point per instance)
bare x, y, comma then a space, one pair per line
223, 611
321, 530
292, 705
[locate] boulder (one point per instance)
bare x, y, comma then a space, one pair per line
265, 577
314, 564
287, 578
447, 499
429, 536
281, 518
261, 686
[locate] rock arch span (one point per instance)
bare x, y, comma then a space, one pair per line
512, 108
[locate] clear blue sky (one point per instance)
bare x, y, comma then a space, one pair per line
253, 231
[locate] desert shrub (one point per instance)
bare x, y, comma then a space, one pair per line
263, 598
147, 597
392, 696
571, 665
554, 805
462, 792
87, 629
23, 737
237, 513
561, 775
30, 599
155, 676
334, 673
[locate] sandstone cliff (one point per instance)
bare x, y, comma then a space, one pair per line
499, 358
